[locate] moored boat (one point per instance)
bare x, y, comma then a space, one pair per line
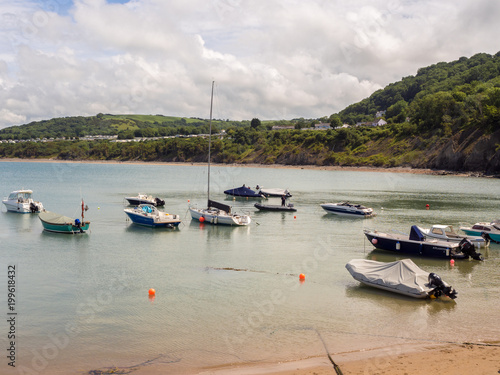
243, 191
21, 201
417, 244
402, 277
275, 207
490, 230
446, 233
348, 209
273, 192
145, 199
148, 215
53, 222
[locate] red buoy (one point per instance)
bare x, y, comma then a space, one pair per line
202, 219
302, 277
152, 292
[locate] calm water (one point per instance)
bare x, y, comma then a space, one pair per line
228, 295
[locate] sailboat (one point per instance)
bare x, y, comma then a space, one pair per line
216, 213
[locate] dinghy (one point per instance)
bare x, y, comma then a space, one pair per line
275, 207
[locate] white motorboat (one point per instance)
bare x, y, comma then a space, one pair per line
216, 213
348, 209
148, 215
446, 233
402, 277
21, 201
145, 199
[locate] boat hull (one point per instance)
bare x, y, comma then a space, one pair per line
347, 211
276, 207
65, 228
149, 221
418, 248
216, 217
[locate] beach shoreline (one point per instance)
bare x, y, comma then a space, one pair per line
250, 165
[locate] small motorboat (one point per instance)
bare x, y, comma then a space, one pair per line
446, 233
275, 207
348, 209
243, 191
219, 214
417, 244
53, 222
490, 231
273, 192
402, 277
145, 199
21, 201
148, 215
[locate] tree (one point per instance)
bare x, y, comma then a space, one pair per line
255, 123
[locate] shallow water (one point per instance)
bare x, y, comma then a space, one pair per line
228, 295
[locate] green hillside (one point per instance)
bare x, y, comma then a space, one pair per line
447, 116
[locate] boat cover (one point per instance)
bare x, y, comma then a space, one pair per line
243, 191
53, 218
219, 206
402, 276
416, 234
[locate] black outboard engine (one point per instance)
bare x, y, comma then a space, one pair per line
159, 202
440, 287
33, 207
467, 247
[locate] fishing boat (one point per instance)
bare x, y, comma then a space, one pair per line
275, 207
148, 215
21, 201
243, 191
402, 277
145, 199
490, 231
446, 233
273, 192
348, 209
417, 244
57, 223
216, 213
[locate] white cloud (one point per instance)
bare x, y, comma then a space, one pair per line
271, 60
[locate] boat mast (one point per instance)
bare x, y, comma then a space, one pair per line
210, 141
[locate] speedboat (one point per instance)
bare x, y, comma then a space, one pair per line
145, 199
402, 277
21, 201
490, 231
417, 244
273, 192
218, 213
53, 222
244, 192
148, 215
446, 233
348, 209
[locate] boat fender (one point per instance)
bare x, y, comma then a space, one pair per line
398, 246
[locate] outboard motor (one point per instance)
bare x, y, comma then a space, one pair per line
78, 224
159, 202
440, 287
467, 247
33, 207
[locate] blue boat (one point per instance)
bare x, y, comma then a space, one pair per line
149, 216
243, 191
417, 244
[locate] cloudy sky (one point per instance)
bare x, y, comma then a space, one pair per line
270, 59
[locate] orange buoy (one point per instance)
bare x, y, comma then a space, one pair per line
152, 292
295, 217
302, 277
202, 219
452, 262
188, 200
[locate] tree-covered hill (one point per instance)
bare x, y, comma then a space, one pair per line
447, 116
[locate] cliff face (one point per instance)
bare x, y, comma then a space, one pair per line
470, 151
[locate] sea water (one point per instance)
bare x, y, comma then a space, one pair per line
227, 295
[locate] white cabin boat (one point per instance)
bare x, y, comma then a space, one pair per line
21, 201
446, 233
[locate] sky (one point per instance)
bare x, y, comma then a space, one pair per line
269, 59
